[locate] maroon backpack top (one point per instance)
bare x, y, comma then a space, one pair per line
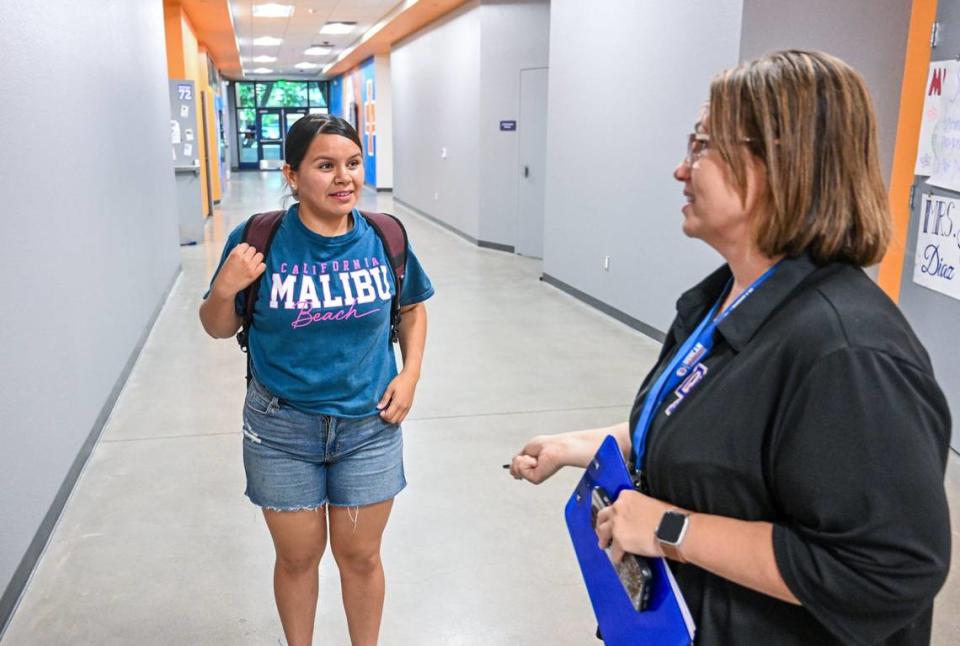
262, 227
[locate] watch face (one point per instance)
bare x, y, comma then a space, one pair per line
671, 527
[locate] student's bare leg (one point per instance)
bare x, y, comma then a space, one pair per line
355, 534
299, 538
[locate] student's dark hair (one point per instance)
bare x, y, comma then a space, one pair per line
306, 128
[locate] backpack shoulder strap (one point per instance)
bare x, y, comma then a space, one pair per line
393, 235
258, 233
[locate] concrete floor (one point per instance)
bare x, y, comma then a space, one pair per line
157, 544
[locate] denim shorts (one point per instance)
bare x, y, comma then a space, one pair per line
296, 460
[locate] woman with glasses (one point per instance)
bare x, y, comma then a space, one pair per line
790, 443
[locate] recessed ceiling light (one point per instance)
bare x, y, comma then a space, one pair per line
306, 66
266, 41
338, 28
264, 59
317, 50
272, 10
262, 70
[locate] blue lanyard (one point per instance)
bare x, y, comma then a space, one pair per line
685, 370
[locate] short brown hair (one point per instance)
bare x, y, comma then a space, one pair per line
809, 118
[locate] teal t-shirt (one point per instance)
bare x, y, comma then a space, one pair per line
320, 339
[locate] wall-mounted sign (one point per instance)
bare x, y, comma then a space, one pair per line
508, 126
938, 247
184, 92
938, 152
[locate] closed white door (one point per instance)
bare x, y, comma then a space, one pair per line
532, 130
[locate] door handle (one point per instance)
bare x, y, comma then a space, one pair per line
526, 171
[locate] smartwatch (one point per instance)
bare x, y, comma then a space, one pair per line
671, 532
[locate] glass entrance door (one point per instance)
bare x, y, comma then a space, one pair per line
271, 138
291, 116
265, 112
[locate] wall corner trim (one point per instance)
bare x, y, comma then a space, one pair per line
609, 310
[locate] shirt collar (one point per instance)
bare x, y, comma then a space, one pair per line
742, 324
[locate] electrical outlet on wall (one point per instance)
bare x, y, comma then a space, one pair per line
606, 263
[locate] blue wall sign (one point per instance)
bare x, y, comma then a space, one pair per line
508, 126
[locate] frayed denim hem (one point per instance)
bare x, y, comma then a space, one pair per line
298, 508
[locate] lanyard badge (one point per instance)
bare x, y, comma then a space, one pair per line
686, 370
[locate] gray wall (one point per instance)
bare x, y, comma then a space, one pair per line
435, 87
381, 64
871, 35
89, 234
626, 83
515, 35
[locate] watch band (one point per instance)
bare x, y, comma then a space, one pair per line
672, 552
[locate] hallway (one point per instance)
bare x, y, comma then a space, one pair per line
158, 545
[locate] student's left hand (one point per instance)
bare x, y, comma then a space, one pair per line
397, 400
628, 525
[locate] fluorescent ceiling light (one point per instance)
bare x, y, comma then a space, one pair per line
338, 28
262, 70
272, 10
264, 59
266, 41
306, 66
318, 51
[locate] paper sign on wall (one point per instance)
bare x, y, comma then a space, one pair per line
938, 246
174, 131
184, 111
187, 150
188, 134
938, 153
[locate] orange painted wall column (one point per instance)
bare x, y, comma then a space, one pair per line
183, 62
915, 69
212, 142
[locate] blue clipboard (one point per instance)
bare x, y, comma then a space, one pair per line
666, 621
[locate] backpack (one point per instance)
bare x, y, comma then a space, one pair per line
260, 231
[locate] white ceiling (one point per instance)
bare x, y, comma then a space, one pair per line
300, 31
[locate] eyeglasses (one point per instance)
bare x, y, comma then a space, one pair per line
698, 143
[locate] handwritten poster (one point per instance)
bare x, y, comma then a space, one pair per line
938, 247
938, 153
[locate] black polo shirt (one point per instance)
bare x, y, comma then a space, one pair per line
819, 413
